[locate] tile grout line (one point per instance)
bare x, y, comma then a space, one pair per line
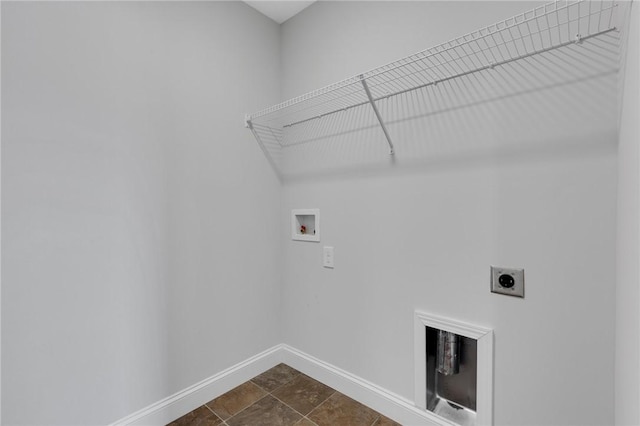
295, 411
376, 419
288, 381
261, 388
214, 413
248, 406
319, 405
225, 420
287, 405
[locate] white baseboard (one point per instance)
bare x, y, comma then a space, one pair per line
391, 405
180, 403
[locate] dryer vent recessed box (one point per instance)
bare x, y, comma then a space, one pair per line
305, 224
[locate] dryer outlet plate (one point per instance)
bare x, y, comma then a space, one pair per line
508, 281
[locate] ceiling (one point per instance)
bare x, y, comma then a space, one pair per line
281, 10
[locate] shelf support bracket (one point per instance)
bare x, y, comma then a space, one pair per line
249, 125
375, 110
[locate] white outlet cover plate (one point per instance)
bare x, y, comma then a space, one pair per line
518, 277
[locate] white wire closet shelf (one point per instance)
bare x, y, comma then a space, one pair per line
308, 118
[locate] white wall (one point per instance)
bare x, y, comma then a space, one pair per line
0, 223
422, 235
137, 211
627, 361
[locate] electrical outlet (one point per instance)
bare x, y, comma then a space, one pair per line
327, 257
507, 281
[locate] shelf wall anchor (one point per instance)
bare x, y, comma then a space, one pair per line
378, 116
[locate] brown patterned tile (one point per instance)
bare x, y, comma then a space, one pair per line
305, 422
303, 393
266, 412
341, 410
385, 421
236, 400
275, 377
201, 416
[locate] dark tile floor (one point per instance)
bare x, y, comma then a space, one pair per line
283, 396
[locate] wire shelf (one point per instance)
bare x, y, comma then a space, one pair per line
546, 28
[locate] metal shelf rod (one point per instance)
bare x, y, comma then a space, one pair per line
375, 110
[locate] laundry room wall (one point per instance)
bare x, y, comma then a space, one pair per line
627, 385
526, 180
137, 212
